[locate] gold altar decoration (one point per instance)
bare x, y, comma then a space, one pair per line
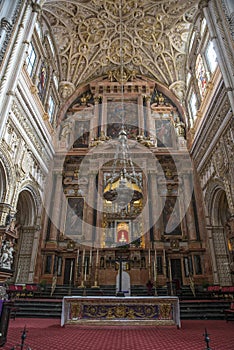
137, 310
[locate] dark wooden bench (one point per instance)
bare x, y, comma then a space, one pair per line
229, 313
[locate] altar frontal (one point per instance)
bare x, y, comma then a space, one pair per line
119, 310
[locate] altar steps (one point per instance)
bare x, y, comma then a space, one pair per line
190, 310
203, 309
61, 291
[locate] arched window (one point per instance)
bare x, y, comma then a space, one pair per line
31, 59
211, 57
201, 75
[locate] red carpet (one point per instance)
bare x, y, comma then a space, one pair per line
47, 334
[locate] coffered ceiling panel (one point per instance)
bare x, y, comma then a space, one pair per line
153, 36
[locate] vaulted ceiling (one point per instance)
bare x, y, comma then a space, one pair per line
154, 38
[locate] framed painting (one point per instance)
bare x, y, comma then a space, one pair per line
117, 113
82, 128
163, 133
74, 216
171, 216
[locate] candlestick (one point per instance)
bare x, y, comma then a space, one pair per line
77, 258
71, 270
149, 256
83, 258
90, 257
155, 265
97, 257
170, 274
85, 272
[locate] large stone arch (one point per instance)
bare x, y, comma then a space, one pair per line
9, 173
82, 88
7, 186
218, 213
3, 183
27, 218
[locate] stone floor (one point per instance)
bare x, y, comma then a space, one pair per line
47, 334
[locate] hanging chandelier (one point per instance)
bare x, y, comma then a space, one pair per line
123, 186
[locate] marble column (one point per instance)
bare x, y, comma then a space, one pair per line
222, 41
104, 115
89, 212
213, 255
56, 209
7, 11
140, 115
12, 66
95, 119
155, 206
192, 235
148, 116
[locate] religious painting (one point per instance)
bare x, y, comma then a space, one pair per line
171, 216
81, 135
118, 114
42, 80
74, 217
163, 133
201, 75
123, 233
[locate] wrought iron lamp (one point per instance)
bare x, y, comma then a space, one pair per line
123, 185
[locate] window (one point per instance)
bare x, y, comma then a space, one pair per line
42, 77
48, 264
51, 108
51, 45
193, 106
159, 265
197, 264
203, 26
38, 29
201, 75
211, 57
191, 41
55, 81
188, 78
31, 58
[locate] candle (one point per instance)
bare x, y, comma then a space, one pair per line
155, 264
170, 274
71, 270
90, 257
77, 258
97, 258
85, 272
149, 256
154, 272
83, 258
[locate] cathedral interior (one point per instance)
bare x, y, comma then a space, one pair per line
117, 142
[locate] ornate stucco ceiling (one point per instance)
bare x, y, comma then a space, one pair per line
154, 38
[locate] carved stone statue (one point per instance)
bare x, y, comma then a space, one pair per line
6, 258
180, 127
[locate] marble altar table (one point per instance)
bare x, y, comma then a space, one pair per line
163, 310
